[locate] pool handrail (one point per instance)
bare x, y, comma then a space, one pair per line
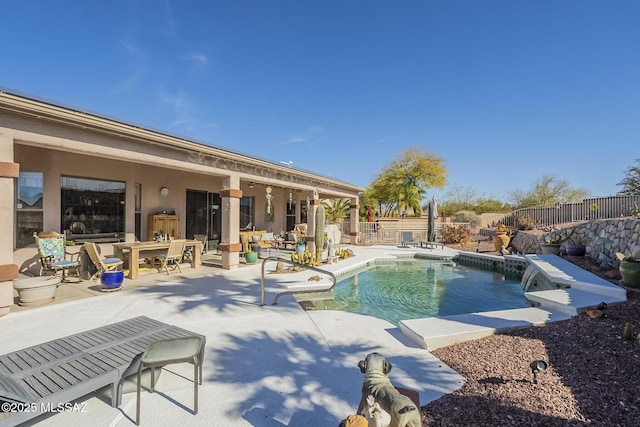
319, 270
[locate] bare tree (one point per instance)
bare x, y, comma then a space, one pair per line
548, 191
631, 182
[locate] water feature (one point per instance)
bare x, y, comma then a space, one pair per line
534, 280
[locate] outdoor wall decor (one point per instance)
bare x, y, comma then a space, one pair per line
269, 196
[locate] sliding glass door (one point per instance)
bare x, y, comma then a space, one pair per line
203, 216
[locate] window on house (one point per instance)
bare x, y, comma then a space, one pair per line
291, 214
247, 213
304, 209
29, 214
92, 209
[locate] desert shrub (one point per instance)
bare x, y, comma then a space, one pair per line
471, 217
455, 234
525, 223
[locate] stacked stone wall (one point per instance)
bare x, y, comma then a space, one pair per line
624, 233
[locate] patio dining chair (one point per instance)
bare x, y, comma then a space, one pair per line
205, 241
188, 252
101, 264
171, 351
171, 260
54, 258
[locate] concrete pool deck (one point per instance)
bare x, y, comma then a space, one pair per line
264, 365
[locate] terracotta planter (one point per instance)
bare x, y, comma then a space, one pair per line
34, 291
550, 248
501, 240
630, 272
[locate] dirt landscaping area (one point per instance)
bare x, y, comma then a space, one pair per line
591, 379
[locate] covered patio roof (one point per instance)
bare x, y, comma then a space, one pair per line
117, 139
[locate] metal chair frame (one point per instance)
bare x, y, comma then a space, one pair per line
53, 256
170, 351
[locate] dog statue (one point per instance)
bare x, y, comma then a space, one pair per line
375, 416
376, 383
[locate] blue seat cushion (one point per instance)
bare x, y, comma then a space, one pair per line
65, 264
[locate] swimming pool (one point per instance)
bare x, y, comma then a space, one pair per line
422, 288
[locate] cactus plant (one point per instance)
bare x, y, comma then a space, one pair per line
319, 236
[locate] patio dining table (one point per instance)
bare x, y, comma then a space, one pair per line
136, 249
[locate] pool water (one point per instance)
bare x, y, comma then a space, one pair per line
422, 288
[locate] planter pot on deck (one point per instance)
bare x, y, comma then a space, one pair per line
34, 291
251, 257
630, 272
111, 280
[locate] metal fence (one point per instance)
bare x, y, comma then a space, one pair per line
592, 208
389, 233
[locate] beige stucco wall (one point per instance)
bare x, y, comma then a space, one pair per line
55, 164
7, 269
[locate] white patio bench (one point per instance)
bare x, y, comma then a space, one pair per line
65, 369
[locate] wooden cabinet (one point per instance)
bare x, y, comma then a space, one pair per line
164, 224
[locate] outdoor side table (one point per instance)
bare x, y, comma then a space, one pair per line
169, 351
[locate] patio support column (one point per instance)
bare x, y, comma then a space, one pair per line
9, 171
354, 220
230, 245
311, 220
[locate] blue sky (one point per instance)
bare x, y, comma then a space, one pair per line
546, 87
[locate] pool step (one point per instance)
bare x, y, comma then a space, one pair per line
570, 301
436, 332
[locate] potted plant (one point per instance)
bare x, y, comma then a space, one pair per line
552, 242
630, 269
250, 256
300, 246
550, 247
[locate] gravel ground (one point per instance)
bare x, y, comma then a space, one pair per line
591, 379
